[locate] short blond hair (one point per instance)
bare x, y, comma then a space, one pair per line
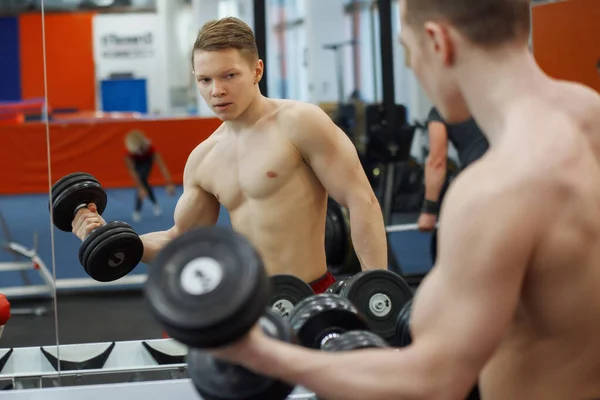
135, 139
227, 33
487, 23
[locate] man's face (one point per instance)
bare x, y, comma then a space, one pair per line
226, 80
431, 56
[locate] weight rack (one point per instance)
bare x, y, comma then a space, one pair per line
153, 369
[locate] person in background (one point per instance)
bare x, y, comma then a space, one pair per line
140, 157
470, 143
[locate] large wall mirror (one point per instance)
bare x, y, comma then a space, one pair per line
127, 116
28, 323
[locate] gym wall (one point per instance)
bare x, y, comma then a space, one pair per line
131, 44
565, 40
95, 148
69, 57
10, 67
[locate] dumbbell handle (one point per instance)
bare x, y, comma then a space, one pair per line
328, 337
79, 207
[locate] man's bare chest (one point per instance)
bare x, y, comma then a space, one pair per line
233, 172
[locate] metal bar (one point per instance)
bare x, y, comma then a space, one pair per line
25, 291
44, 272
389, 100
339, 62
15, 266
260, 35
402, 228
72, 283
176, 389
387, 60
388, 192
355, 38
374, 53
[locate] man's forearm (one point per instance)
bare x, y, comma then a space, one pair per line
153, 243
368, 234
363, 374
435, 176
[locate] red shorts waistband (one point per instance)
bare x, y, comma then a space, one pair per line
320, 285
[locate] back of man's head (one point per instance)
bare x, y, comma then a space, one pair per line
487, 23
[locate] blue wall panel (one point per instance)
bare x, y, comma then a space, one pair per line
10, 63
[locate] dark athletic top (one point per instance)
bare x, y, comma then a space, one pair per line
142, 156
466, 137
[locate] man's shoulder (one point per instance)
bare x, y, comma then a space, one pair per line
496, 176
296, 110
203, 148
302, 120
569, 107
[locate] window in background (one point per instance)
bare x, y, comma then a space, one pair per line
274, 67
286, 46
228, 8
369, 51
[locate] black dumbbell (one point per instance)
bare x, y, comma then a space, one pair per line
218, 380
336, 288
108, 252
288, 291
208, 288
355, 340
379, 295
322, 317
403, 337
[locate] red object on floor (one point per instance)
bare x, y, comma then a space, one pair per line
4, 310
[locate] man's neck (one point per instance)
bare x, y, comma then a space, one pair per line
493, 85
253, 113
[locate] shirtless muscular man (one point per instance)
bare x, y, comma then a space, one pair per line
271, 164
512, 302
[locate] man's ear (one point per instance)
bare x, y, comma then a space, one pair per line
440, 43
259, 71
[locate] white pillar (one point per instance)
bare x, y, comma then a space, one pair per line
203, 11
166, 10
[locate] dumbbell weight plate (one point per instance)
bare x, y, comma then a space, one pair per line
71, 191
218, 380
111, 251
403, 336
336, 287
355, 340
59, 184
288, 291
207, 287
319, 318
379, 295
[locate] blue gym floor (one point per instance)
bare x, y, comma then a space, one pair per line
27, 214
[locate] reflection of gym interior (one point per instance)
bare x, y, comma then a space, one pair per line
78, 76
